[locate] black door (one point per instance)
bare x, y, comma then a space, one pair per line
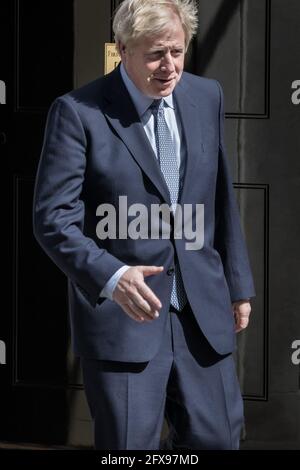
40, 379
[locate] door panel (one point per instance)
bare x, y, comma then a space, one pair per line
233, 45
43, 52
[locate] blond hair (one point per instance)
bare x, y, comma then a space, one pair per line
137, 18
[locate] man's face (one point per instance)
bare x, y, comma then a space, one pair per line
155, 64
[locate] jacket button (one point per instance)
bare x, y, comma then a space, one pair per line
170, 271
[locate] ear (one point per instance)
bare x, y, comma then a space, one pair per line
121, 48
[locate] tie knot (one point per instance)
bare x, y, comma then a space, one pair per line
157, 105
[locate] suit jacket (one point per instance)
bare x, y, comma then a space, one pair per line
95, 150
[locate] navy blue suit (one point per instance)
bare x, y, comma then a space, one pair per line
95, 150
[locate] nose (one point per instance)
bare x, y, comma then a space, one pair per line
167, 64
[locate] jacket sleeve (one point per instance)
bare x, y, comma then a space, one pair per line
229, 239
58, 211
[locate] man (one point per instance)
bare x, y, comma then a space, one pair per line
153, 318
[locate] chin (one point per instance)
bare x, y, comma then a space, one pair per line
166, 92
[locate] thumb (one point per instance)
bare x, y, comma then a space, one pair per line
150, 270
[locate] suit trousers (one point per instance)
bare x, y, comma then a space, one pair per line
187, 382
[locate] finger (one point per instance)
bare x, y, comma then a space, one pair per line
149, 296
244, 322
134, 293
128, 310
150, 270
244, 309
141, 303
241, 324
138, 312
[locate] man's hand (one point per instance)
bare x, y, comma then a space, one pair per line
135, 297
241, 311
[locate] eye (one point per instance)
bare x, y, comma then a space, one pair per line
155, 55
177, 52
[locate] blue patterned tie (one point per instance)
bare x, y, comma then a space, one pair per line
168, 164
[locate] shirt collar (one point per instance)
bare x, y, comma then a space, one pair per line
140, 100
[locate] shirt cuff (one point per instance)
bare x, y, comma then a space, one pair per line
110, 286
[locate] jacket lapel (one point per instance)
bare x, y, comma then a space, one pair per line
190, 116
123, 117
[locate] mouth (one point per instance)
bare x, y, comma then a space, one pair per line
165, 81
